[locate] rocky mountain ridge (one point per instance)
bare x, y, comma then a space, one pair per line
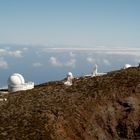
93, 108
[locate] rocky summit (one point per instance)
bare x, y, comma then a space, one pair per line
94, 108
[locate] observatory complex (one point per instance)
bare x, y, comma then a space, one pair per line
16, 82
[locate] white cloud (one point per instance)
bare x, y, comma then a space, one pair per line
25, 49
37, 64
106, 62
104, 50
3, 64
90, 60
54, 61
71, 63
16, 53
3, 52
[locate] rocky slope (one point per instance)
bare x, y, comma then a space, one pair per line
93, 108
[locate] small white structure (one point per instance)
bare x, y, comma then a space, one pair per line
16, 82
69, 79
126, 66
94, 73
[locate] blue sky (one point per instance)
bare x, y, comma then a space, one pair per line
44, 39
110, 23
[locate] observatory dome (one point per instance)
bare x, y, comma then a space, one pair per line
16, 79
126, 66
16, 82
70, 74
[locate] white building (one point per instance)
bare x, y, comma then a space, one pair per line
95, 72
69, 79
126, 66
16, 82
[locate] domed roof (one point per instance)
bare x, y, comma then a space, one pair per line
70, 74
16, 79
127, 66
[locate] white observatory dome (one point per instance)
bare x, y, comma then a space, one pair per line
126, 66
69, 79
16, 82
70, 74
16, 79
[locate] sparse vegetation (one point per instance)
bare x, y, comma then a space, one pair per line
93, 108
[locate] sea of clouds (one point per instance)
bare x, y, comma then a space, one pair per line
48, 63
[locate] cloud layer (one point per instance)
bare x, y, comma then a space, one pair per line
16, 53
71, 63
37, 64
105, 50
36, 61
54, 61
